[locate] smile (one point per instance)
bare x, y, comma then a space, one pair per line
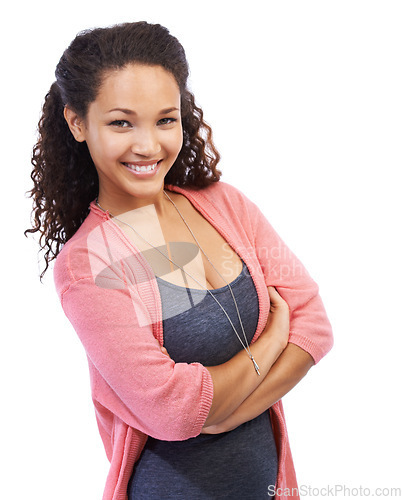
141, 168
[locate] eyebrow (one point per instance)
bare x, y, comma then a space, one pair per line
132, 112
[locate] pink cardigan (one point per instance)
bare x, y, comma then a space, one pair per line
110, 295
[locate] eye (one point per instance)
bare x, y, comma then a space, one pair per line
120, 123
167, 121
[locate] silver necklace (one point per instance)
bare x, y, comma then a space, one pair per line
245, 343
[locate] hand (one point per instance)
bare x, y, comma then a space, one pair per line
164, 351
214, 429
277, 326
224, 426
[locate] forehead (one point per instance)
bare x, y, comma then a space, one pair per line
138, 85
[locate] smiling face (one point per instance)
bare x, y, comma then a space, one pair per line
134, 134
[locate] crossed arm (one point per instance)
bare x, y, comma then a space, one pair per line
240, 396
291, 366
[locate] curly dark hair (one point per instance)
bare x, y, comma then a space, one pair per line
64, 176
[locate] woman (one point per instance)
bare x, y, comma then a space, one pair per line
168, 277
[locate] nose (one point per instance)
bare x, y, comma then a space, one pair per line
145, 142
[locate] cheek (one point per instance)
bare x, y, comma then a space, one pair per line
106, 147
176, 141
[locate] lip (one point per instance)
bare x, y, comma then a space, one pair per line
131, 167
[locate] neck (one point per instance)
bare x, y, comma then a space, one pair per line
129, 203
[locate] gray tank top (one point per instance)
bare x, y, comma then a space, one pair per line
238, 464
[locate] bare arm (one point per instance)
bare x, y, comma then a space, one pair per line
235, 380
289, 369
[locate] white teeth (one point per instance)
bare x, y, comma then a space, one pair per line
143, 168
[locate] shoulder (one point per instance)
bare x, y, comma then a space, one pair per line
226, 207
222, 196
221, 191
73, 261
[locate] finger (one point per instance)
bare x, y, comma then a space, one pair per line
164, 351
273, 294
275, 298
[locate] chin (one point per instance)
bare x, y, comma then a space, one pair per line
145, 192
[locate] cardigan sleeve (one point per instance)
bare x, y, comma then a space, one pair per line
246, 226
134, 380
310, 328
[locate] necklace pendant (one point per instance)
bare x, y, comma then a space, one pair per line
256, 367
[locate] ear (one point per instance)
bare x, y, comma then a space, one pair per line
75, 124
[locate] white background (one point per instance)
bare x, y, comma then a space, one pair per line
305, 101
